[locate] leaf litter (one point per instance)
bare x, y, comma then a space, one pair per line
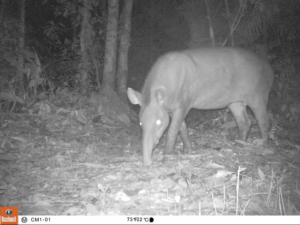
68, 162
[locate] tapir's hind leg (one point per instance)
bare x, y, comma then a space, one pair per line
242, 119
261, 114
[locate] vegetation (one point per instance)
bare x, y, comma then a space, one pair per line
65, 67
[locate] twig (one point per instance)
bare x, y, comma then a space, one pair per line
224, 199
200, 210
212, 195
281, 201
237, 191
211, 30
229, 24
236, 22
269, 195
244, 209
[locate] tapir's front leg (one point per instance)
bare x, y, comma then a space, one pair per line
185, 137
177, 125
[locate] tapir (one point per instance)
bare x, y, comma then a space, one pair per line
205, 78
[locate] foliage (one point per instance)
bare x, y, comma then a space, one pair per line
268, 29
286, 87
54, 63
64, 43
8, 56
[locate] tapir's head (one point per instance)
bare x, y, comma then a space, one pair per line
154, 119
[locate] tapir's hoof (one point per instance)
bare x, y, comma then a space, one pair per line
261, 142
147, 162
187, 150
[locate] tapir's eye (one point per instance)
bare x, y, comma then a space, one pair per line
158, 122
141, 124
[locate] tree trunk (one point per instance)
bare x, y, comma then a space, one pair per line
231, 34
109, 71
3, 13
124, 32
211, 29
85, 34
21, 47
193, 13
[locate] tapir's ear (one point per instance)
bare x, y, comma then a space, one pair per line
134, 96
160, 96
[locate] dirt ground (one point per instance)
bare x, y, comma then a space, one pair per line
77, 161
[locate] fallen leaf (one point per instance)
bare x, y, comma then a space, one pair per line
177, 198
267, 152
72, 210
261, 174
131, 192
259, 142
214, 166
228, 125
124, 118
122, 196
222, 173
92, 210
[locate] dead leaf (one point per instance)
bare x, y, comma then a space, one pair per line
214, 166
90, 149
111, 177
124, 118
293, 166
44, 108
261, 174
233, 177
177, 198
72, 210
182, 182
228, 125
100, 110
6, 145
122, 196
92, 210
131, 192
21, 139
267, 152
241, 142
259, 142
242, 169
59, 158
222, 173
62, 110
105, 119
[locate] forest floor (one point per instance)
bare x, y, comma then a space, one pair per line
68, 162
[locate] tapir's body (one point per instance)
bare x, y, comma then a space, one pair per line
207, 78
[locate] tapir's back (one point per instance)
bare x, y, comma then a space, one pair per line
210, 77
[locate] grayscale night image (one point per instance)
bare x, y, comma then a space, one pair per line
146, 109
